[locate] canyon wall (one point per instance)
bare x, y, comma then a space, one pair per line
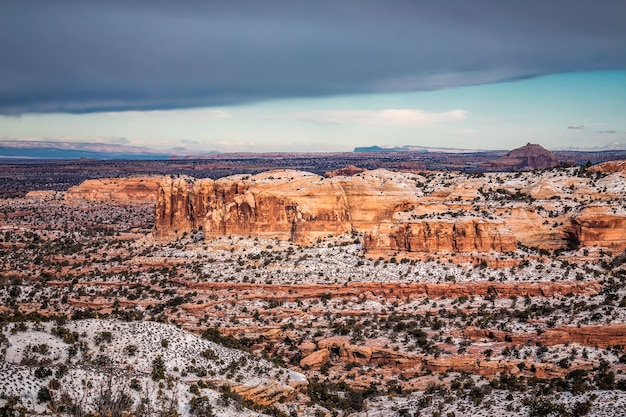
404, 212
462, 235
287, 205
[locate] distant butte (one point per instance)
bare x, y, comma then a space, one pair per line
527, 158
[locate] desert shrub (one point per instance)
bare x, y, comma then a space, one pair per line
201, 407
43, 395
42, 372
158, 368
130, 350
214, 335
544, 407
103, 337
209, 353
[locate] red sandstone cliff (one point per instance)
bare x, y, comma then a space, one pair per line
288, 205
463, 235
397, 212
600, 226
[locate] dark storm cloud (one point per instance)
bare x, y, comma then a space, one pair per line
78, 56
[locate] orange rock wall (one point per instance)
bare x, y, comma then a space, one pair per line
394, 212
290, 206
465, 235
598, 226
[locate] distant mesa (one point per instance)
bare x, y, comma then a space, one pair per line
381, 149
411, 148
527, 158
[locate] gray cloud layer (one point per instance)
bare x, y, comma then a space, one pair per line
79, 56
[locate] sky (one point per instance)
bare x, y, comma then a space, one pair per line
323, 76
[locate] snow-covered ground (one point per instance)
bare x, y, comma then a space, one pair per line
103, 352
498, 403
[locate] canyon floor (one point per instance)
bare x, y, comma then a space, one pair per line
99, 315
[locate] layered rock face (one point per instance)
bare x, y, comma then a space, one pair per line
124, 190
404, 212
600, 226
182, 205
287, 205
464, 235
529, 157
610, 167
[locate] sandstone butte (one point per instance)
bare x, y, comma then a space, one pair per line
528, 157
122, 190
396, 213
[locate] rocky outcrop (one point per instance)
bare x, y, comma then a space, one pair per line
600, 226
464, 235
533, 228
315, 359
264, 392
594, 336
288, 205
181, 205
402, 212
347, 171
526, 158
376, 196
609, 167
339, 349
121, 190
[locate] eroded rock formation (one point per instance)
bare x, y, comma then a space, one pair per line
609, 167
598, 336
463, 235
126, 190
347, 171
288, 205
294, 292
600, 226
528, 157
403, 212
264, 391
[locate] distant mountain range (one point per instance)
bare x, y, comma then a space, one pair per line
613, 146
49, 149
72, 150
